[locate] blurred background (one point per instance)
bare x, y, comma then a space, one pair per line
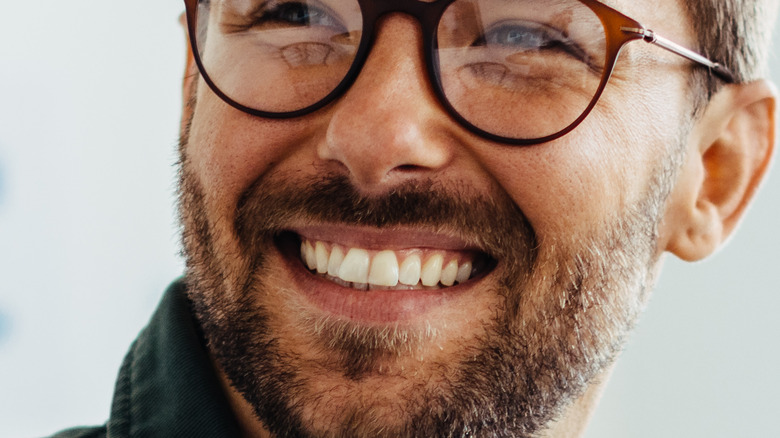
89, 107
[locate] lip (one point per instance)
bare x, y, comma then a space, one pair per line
377, 306
386, 238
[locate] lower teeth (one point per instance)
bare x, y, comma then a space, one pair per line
368, 286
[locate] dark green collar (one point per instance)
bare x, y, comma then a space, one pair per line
167, 386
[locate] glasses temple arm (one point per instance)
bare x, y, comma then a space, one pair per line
653, 38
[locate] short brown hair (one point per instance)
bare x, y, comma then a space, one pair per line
735, 33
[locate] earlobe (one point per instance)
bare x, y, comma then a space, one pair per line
729, 153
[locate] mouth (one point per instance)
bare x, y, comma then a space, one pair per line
381, 276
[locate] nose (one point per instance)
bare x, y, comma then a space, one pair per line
389, 127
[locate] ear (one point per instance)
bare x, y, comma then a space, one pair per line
189, 82
729, 152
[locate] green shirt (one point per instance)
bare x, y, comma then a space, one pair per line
167, 386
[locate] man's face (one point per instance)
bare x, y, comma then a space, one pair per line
554, 248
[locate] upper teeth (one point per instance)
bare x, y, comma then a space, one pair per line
381, 268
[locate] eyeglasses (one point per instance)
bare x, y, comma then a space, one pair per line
515, 71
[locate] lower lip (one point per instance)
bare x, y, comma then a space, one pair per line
373, 306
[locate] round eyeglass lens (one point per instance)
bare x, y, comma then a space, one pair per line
522, 69
278, 55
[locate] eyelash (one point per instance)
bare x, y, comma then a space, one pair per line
279, 11
552, 39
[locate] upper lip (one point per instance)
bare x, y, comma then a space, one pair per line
394, 238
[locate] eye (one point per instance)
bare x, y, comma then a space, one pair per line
528, 36
292, 14
521, 36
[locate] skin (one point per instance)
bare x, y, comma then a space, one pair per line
389, 130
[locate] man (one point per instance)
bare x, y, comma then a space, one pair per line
438, 219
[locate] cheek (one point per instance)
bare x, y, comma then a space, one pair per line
568, 186
559, 186
229, 150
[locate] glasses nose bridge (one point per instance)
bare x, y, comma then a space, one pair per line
426, 13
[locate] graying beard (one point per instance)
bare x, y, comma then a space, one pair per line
582, 288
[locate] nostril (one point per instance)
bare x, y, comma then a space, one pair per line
407, 168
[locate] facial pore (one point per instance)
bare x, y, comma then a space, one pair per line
560, 310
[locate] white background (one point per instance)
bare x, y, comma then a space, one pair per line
89, 106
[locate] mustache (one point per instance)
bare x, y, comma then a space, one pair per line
494, 223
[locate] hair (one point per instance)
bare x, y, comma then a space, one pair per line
735, 33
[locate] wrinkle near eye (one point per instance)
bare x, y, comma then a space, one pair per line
279, 15
301, 54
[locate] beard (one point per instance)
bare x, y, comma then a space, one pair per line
563, 308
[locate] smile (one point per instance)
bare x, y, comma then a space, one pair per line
406, 269
380, 276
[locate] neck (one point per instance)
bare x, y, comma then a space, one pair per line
574, 420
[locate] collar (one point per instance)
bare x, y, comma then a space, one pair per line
167, 385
